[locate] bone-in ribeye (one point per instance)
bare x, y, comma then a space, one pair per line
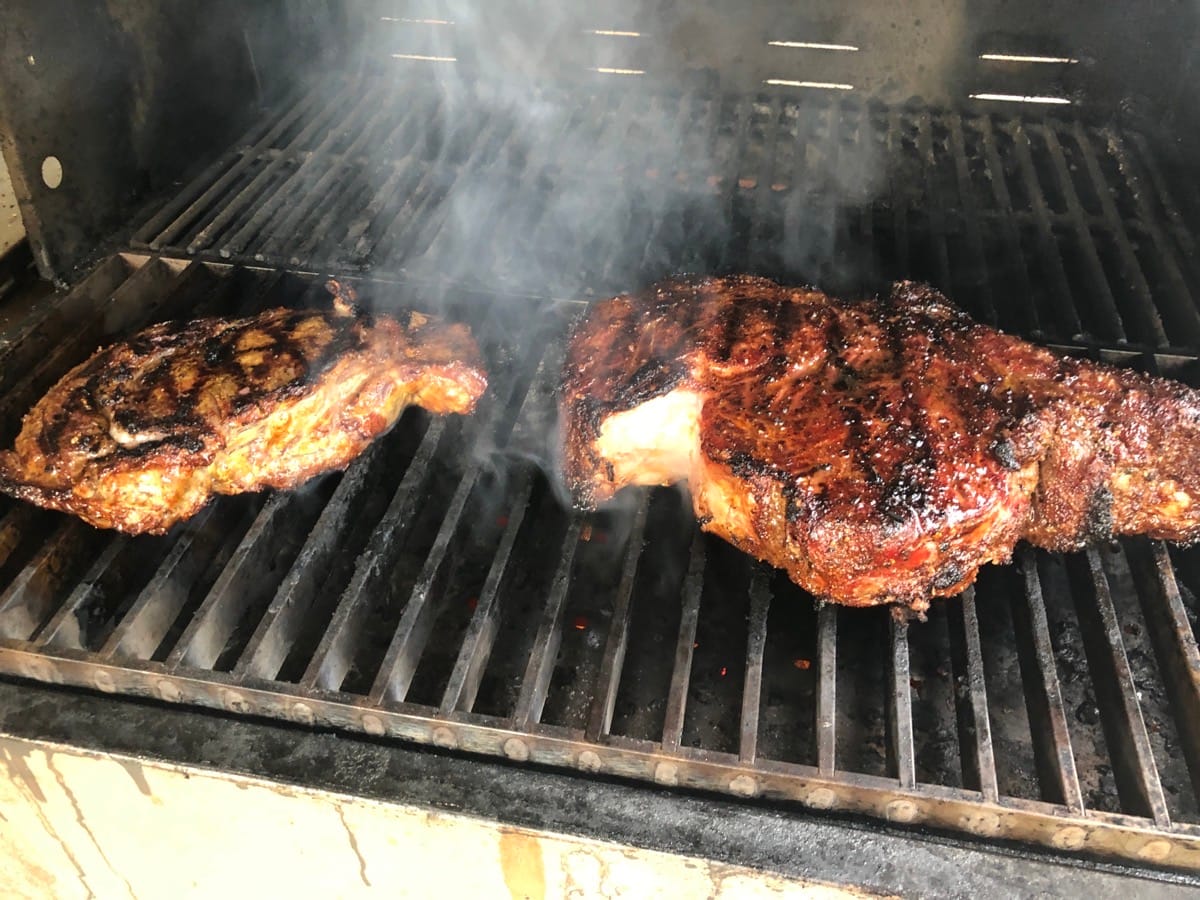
880, 451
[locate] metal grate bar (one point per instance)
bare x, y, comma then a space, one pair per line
604, 699
756, 643
1065, 305
64, 629
970, 217
1174, 644
33, 337
291, 197
1008, 227
1053, 756
536, 682
233, 206
132, 302
327, 232
826, 724
1185, 312
899, 705
14, 527
29, 599
970, 695
403, 653
157, 233
755, 178
418, 231
898, 195
935, 212
218, 615
334, 653
1124, 729
158, 604
1145, 160
313, 179
1148, 326
268, 647
732, 254
467, 674
410, 178
689, 618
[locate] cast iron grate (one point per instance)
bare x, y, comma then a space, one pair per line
1045, 225
438, 591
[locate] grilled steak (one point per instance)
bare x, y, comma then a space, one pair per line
878, 451
142, 435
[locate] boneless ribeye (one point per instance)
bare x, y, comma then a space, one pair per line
880, 450
142, 434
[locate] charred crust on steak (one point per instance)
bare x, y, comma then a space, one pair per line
878, 450
141, 434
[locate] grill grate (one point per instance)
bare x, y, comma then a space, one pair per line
438, 591
1047, 226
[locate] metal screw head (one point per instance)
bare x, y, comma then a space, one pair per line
589, 761
820, 798
303, 713
374, 725
104, 682
169, 692
1155, 851
1070, 837
985, 824
515, 748
234, 702
744, 785
901, 811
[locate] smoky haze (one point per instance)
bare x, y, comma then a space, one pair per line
582, 150
577, 151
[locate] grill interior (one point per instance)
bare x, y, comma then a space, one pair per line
439, 591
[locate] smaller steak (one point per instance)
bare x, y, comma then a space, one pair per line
142, 434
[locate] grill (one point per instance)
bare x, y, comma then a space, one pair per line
440, 592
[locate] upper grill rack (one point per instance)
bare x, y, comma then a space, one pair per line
1048, 226
439, 592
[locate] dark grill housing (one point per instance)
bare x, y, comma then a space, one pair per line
439, 591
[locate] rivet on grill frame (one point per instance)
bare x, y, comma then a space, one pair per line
1070, 837
444, 737
984, 824
104, 682
901, 811
234, 702
590, 761
820, 798
1155, 851
169, 692
515, 748
374, 725
302, 713
744, 786
666, 773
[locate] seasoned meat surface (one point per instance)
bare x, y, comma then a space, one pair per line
142, 434
880, 451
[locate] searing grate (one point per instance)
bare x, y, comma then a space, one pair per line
438, 591
1046, 225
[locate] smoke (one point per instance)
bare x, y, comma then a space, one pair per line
576, 151
579, 151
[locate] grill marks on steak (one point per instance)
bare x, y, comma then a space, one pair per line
142, 434
879, 451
